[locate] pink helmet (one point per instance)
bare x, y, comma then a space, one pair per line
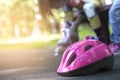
85, 57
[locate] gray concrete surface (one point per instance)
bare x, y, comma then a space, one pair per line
44, 67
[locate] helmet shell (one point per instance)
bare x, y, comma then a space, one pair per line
81, 54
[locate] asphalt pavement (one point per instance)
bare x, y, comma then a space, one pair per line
42, 65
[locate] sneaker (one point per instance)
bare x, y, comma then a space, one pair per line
60, 50
115, 48
70, 36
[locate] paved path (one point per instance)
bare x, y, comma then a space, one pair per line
47, 70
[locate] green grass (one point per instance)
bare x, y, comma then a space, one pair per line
24, 46
84, 30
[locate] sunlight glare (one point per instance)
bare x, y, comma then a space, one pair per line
38, 17
7, 3
36, 1
107, 2
36, 9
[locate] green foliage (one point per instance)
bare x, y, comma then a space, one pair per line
58, 15
84, 30
16, 12
25, 46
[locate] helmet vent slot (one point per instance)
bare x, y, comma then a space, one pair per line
72, 59
88, 47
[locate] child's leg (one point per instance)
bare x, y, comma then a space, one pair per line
70, 34
94, 20
114, 15
103, 14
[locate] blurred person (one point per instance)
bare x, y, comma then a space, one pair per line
114, 19
76, 12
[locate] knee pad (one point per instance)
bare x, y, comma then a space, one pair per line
92, 16
89, 10
95, 22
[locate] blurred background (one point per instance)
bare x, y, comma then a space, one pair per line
30, 29
36, 22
